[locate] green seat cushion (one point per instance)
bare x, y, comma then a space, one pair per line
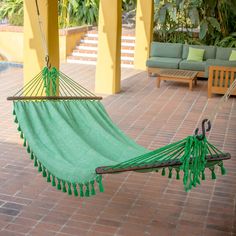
217, 62
163, 62
166, 50
195, 54
192, 65
223, 53
209, 53
233, 56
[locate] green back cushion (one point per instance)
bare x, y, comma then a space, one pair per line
173, 50
233, 56
209, 53
223, 53
195, 54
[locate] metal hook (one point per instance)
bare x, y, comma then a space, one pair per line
204, 129
47, 62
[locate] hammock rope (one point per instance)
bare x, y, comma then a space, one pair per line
47, 83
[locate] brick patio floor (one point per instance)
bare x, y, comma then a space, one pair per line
133, 204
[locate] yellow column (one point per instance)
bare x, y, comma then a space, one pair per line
143, 32
34, 53
109, 46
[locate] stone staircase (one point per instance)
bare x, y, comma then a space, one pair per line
86, 51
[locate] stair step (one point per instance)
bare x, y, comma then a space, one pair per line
89, 50
95, 42
92, 47
94, 39
77, 60
87, 45
94, 56
86, 51
95, 35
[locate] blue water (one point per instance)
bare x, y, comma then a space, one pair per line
6, 65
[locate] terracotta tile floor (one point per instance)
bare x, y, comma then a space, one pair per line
133, 204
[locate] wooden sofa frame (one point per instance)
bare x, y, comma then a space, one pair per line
220, 78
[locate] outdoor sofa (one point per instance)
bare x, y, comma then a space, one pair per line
174, 56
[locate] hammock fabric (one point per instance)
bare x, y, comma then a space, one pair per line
68, 137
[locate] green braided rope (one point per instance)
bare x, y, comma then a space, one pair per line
50, 81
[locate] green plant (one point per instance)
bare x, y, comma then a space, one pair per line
172, 21
77, 12
228, 41
128, 5
216, 20
17, 20
12, 10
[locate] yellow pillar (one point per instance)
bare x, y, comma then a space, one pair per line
143, 32
109, 46
34, 53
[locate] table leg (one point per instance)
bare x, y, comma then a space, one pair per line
158, 82
195, 80
191, 85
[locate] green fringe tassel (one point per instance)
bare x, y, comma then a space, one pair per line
53, 181
19, 129
49, 177
21, 135
198, 181
75, 190
40, 167
58, 184
81, 190
222, 168
32, 156
213, 175
69, 188
163, 173
87, 193
13, 112
44, 172
170, 173
16, 120
99, 181
63, 186
28, 149
177, 174
194, 184
92, 188
35, 162
203, 175
24, 144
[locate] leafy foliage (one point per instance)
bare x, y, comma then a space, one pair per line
229, 41
216, 20
128, 5
78, 12
12, 10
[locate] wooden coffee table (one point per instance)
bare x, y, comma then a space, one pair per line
183, 76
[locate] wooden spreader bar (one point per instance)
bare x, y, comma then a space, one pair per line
209, 158
15, 98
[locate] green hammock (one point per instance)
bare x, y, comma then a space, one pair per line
72, 140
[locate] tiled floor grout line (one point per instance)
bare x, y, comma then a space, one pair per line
136, 109
159, 112
223, 148
123, 95
169, 118
110, 200
41, 220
